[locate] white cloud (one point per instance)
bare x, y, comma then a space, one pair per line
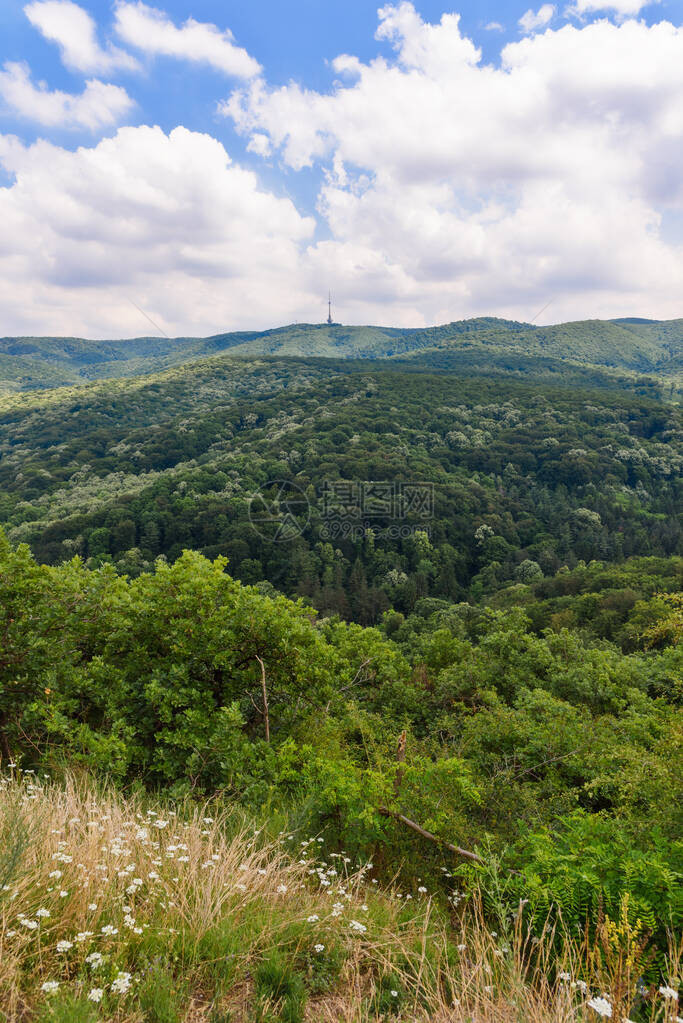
259, 144
494, 26
98, 106
166, 221
152, 31
532, 21
432, 49
450, 188
455, 187
75, 32
622, 8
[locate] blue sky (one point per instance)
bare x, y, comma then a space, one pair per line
484, 158
293, 40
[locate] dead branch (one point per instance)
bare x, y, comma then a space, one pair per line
429, 836
455, 849
264, 690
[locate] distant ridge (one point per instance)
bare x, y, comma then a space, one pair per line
634, 319
630, 344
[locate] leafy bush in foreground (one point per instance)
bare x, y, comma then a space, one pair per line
464, 730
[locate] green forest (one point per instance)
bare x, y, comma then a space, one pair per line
522, 479
426, 607
625, 346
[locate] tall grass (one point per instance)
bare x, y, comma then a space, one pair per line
114, 910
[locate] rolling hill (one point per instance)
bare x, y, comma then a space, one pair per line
626, 346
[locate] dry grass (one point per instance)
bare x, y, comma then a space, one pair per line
214, 923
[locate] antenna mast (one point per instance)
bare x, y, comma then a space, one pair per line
329, 307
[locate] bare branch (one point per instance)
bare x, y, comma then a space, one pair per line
264, 690
429, 836
357, 677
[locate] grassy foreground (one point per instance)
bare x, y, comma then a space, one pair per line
112, 909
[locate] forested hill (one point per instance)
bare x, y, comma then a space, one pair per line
424, 610
629, 345
521, 478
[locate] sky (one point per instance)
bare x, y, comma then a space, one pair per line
206, 166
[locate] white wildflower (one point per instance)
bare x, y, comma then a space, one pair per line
95, 994
601, 1006
50, 986
121, 984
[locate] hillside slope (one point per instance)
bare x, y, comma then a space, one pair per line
122, 471
593, 342
29, 362
632, 346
